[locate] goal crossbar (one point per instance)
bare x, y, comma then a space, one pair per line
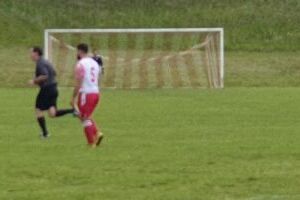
136, 30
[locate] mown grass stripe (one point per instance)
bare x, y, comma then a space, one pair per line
110, 73
159, 76
174, 64
143, 64
191, 65
127, 64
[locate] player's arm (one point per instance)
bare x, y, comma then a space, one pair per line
76, 88
79, 74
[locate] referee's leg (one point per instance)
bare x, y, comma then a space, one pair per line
52, 111
42, 122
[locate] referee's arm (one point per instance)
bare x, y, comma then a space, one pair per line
40, 79
42, 75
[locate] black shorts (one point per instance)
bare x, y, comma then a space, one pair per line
47, 97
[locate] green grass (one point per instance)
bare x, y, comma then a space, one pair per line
256, 25
231, 144
242, 69
257, 69
234, 144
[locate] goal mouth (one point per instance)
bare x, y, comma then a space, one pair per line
143, 58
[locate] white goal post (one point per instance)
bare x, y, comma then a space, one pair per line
59, 43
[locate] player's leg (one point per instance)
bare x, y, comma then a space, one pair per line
93, 135
84, 104
89, 130
87, 104
98, 135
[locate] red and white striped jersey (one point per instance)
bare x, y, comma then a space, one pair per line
88, 71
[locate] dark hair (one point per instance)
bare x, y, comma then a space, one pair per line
37, 50
83, 47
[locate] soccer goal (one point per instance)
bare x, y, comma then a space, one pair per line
143, 58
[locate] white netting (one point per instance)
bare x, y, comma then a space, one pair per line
144, 60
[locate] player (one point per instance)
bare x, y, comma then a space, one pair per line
46, 99
86, 93
99, 60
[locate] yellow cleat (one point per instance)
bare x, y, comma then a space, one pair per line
98, 139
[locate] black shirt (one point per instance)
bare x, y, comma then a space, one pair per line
98, 59
43, 67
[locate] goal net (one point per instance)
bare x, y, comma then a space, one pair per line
143, 58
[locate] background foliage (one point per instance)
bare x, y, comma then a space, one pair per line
250, 25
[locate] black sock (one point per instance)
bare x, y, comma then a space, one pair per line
64, 112
42, 123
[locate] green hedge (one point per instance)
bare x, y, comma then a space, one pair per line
256, 25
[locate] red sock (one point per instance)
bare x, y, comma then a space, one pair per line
89, 135
90, 131
94, 127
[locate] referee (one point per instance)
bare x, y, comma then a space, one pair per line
46, 99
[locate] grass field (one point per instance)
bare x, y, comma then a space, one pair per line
239, 143
233, 144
